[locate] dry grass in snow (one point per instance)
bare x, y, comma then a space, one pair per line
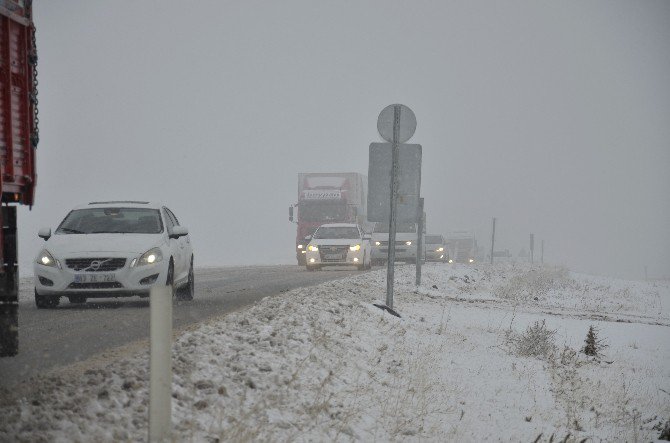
481, 353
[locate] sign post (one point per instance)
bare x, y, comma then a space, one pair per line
396, 124
419, 241
493, 237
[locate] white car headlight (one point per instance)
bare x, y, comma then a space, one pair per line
313, 248
440, 249
355, 247
378, 243
300, 246
150, 257
408, 243
46, 259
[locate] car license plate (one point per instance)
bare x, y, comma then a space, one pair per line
94, 278
333, 256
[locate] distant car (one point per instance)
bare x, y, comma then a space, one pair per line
436, 248
339, 244
113, 249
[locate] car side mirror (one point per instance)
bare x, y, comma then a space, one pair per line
290, 213
178, 231
44, 233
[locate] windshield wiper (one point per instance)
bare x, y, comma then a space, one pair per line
70, 231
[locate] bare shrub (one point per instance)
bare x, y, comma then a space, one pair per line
536, 341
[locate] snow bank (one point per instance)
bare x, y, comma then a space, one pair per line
322, 363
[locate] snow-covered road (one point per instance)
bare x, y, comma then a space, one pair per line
322, 363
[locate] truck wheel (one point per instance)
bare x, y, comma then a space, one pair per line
9, 331
46, 301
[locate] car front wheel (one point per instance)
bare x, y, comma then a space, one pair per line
46, 301
186, 292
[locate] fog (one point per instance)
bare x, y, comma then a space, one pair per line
552, 117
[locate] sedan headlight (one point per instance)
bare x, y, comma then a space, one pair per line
440, 249
150, 257
313, 248
46, 259
408, 243
378, 243
355, 247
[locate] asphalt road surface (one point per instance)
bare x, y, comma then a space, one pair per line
50, 338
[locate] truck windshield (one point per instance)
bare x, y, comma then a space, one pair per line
322, 212
337, 232
400, 227
112, 220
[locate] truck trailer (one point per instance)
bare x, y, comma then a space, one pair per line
327, 197
18, 140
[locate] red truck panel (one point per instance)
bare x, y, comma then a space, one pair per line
17, 154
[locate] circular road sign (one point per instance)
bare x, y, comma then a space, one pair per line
406, 121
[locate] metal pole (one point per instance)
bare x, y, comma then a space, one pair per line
419, 241
532, 248
542, 252
160, 366
493, 237
394, 199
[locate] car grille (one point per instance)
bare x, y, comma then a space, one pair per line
326, 252
103, 285
95, 264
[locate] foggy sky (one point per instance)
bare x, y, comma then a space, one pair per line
553, 117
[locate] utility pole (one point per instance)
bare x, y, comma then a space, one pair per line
493, 237
532, 247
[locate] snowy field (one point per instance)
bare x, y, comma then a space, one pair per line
480, 354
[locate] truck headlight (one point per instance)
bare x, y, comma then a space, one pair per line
408, 243
440, 249
150, 257
355, 247
300, 246
46, 259
451, 261
313, 248
378, 243
472, 260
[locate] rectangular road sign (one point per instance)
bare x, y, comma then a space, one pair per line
379, 182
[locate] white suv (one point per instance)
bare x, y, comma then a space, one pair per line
113, 249
338, 244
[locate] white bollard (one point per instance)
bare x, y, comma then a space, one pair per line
160, 366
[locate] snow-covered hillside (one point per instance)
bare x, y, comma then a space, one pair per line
464, 363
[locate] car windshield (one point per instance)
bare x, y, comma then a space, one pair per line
112, 220
322, 212
433, 239
336, 232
